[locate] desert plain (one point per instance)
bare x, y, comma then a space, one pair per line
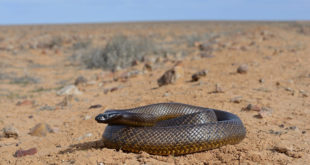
54, 80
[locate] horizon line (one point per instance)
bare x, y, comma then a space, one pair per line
156, 21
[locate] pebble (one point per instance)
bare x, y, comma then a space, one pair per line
80, 81
95, 106
237, 99
303, 93
24, 102
129, 74
10, 132
46, 108
251, 107
84, 136
134, 63
264, 112
261, 80
21, 153
87, 117
69, 90
243, 68
287, 151
171, 76
218, 89
196, 76
147, 67
41, 129
66, 101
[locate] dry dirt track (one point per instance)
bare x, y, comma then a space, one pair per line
35, 64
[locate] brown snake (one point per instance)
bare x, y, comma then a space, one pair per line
170, 129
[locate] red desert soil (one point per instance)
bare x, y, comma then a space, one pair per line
47, 119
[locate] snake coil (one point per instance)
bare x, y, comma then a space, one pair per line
170, 129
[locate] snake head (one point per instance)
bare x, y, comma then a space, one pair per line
107, 116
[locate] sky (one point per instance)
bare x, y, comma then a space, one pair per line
101, 11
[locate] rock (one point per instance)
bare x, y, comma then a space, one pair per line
24, 102
130, 74
95, 106
218, 89
66, 101
87, 117
46, 108
134, 62
171, 76
237, 99
243, 68
264, 112
147, 67
251, 107
196, 76
41, 129
303, 93
84, 136
21, 153
10, 132
287, 151
261, 80
80, 81
69, 90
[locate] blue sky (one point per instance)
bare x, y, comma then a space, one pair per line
89, 11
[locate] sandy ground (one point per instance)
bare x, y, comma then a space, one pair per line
277, 83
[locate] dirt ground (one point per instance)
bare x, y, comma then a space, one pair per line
37, 64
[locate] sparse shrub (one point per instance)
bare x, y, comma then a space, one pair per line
82, 44
120, 51
25, 80
190, 40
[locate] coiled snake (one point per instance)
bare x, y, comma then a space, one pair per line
170, 129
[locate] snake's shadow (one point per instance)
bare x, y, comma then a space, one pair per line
98, 144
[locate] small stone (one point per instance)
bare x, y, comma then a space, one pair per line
24, 102
21, 153
237, 99
251, 107
243, 68
303, 132
87, 135
198, 75
80, 81
261, 80
287, 151
10, 132
147, 67
46, 108
87, 117
292, 128
303, 93
281, 149
134, 62
278, 83
41, 129
113, 89
166, 94
264, 112
66, 101
171, 76
129, 74
218, 89
95, 106
69, 90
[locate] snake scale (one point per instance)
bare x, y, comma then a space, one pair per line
170, 129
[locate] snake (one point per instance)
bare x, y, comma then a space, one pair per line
170, 129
